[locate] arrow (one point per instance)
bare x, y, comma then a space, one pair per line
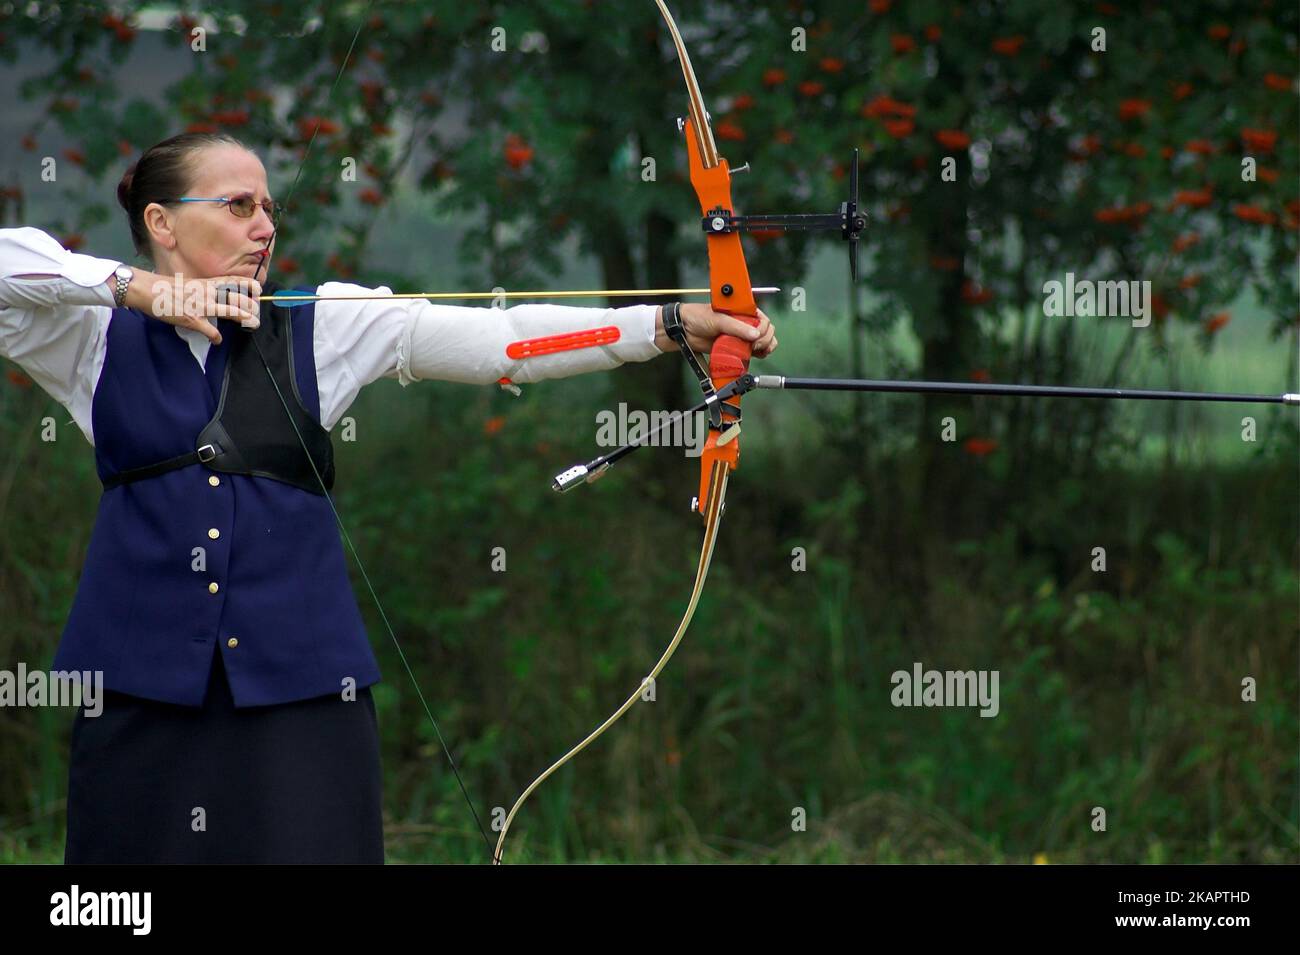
299, 300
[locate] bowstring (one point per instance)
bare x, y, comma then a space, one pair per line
365, 576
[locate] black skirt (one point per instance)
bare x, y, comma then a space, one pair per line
152, 782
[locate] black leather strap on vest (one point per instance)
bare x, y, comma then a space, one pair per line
247, 435
162, 467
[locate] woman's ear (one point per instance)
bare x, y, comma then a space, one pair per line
159, 224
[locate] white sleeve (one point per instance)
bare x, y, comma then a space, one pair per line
54, 314
413, 340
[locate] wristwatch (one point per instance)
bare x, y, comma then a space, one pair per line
124, 275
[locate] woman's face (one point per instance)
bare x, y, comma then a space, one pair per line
205, 239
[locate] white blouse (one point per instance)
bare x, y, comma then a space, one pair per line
55, 309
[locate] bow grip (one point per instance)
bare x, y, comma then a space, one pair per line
729, 356
728, 360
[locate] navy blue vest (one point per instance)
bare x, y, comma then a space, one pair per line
273, 596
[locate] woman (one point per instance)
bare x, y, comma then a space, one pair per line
237, 721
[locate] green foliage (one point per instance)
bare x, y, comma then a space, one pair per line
1120, 689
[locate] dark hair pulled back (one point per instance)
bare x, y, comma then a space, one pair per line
161, 175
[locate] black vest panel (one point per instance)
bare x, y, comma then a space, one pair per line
249, 433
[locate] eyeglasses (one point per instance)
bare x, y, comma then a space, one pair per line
243, 206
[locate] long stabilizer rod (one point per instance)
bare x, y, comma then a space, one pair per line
587, 473
1029, 391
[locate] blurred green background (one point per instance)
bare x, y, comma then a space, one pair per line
501, 146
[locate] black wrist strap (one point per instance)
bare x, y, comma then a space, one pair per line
673, 324
674, 330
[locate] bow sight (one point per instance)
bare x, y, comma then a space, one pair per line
850, 220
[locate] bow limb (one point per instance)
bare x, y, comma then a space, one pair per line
712, 520
730, 291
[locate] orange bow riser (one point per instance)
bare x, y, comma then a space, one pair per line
729, 284
730, 292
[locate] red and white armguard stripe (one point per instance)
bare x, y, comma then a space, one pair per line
549, 345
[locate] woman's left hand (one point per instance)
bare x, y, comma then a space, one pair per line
702, 325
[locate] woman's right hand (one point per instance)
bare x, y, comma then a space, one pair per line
232, 297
